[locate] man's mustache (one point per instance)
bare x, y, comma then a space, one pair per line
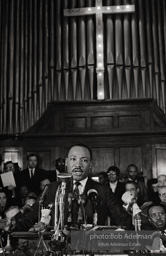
77, 169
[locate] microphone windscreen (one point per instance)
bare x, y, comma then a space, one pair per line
92, 191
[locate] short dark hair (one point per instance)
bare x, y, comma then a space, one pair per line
58, 160
131, 182
8, 162
115, 169
84, 146
30, 155
132, 165
3, 190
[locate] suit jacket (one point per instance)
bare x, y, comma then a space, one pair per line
120, 189
33, 183
108, 205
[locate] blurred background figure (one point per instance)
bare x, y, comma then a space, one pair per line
117, 187
1, 160
60, 165
152, 188
32, 175
162, 195
103, 178
132, 187
30, 200
44, 183
23, 194
3, 203
132, 173
13, 192
161, 180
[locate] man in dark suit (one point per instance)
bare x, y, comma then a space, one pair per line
78, 165
32, 175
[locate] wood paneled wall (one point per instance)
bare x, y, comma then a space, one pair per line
46, 57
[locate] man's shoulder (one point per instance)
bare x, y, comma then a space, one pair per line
24, 170
96, 185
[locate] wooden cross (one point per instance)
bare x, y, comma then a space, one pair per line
99, 10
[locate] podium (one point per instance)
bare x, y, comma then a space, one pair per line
38, 244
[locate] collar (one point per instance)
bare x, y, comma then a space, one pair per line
114, 183
82, 185
132, 180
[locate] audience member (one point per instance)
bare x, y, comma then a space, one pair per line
32, 175
78, 165
161, 180
117, 187
3, 203
132, 172
60, 165
44, 183
132, 187
157, 221
152, 188
23, 194
103, 178
13, 191
162, 194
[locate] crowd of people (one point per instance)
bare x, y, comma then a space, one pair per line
19, 204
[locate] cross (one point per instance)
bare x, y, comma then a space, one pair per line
99, 10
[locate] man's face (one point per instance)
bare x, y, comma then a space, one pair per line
112, 176
162, 193
9, 167
157, 216
32, 162
132, 189
132, 173
3, 200
78, 162
162, 180
23, 191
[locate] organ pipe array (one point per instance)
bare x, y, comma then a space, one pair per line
45, 56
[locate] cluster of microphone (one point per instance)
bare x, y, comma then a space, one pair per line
80, 200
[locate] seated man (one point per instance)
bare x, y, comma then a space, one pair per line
161, 180
132, 187
157, 221
162, 194
78, 164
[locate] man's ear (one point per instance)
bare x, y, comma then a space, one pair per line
137, 190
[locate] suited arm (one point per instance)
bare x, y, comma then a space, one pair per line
25, 221
121, 217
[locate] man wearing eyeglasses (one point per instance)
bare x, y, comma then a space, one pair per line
162, 194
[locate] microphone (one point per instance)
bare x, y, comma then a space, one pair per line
93, 197
43, 193
41, 201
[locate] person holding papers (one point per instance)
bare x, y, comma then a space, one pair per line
11, 182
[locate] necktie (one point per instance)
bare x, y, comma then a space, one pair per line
31, 173
76, 205
76, 189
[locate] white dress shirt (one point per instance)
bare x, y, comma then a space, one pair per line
81, 187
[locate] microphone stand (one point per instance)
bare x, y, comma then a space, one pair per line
41, 202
